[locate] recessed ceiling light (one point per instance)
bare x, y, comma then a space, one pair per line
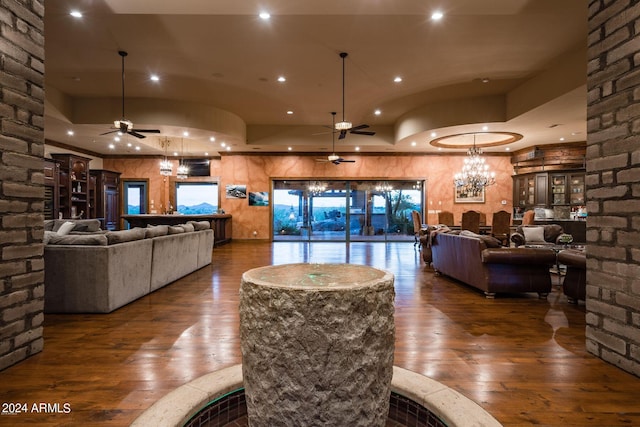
137, 148
212, 138
70, 132
206, 153
229, 148
76, 14
413, 143
264, 15
485, 128
112, 146
175, 153
116, 138
282, 79
507, 149
562, 138
433, 134
154, 78
377, 112
289, 148
437, 15
289, 112
185, 133
439, 148
120, 133
223, 144
357, 148
128, 144
397, 79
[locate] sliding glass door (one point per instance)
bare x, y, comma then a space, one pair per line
333, 210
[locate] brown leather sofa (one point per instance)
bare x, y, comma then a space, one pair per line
574, 285
492, 270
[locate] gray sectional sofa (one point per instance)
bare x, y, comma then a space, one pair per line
92, 271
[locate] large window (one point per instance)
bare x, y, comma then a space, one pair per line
361, 210
196, 196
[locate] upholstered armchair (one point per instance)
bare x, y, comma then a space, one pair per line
547, 234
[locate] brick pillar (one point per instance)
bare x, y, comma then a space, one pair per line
613, 183
21, 179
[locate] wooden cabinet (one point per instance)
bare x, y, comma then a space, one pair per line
105, 196
530, 190
51, 193
559, 188
73, 185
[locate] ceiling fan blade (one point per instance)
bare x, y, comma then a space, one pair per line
111, 131
136, 134
346, 161
343, 133
359, 127
322, 160
146, 130
363, 132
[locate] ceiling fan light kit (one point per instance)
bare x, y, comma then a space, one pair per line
123, 125
345, 126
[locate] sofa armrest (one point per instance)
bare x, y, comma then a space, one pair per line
573, 258
518, 256
518, 239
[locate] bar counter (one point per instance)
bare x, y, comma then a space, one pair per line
221, 223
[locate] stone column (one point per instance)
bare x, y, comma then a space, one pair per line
317, 344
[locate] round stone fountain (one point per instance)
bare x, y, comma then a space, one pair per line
317, 344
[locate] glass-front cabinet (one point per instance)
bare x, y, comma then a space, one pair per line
576, 189
567, 189
561, 189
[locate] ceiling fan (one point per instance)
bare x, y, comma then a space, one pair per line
333, 157
344, 126
123, 125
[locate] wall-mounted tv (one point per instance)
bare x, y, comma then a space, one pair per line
198, 167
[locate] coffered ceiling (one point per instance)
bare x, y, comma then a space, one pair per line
515, 66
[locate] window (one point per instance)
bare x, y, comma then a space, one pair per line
196, 198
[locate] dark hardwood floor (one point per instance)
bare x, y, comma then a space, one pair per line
521, 358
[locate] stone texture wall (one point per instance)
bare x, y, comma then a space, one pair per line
613, 183
21, 179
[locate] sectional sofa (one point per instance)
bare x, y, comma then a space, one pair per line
88, 270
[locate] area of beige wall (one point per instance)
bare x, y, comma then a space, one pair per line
256, 171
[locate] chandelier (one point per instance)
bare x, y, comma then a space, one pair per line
475, 174
316, 188
384, 187
166, 167
183, 170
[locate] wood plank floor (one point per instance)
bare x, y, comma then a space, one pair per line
521, 358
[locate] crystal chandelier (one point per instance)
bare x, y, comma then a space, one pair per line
384, 187
166, 167
475, 174
183, 170
317, 188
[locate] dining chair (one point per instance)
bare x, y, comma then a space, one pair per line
445, 217
528, 217
418, 227
500, 226
471, 221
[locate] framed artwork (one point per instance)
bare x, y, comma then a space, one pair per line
462, 196
236, 191
258, 198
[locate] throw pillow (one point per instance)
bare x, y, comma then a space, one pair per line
533, 234
200, 225
156, 230
188, 228
491, 241
122, 236
468, 233
47, 236
65, 228
86, 239
175, 229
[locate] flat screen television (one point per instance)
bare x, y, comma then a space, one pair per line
198, 167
